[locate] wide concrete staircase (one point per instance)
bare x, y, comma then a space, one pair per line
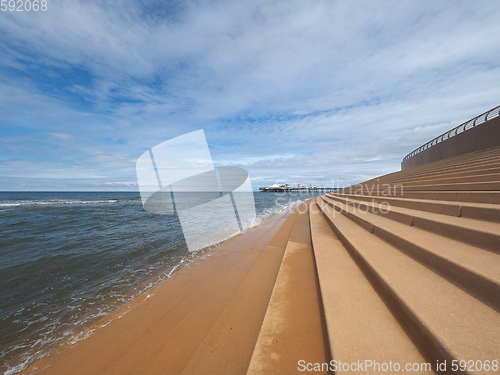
427, 241
408, 266
402, 270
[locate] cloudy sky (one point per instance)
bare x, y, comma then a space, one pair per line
299, 91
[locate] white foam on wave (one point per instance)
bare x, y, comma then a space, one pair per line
256, 221
269, 212
54, 202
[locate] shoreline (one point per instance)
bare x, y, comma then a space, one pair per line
73, 324
149, 298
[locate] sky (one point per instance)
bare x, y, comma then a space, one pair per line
327, 93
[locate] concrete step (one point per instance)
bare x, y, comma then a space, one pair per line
486, 197
452, 172
457, 186
180, 332
445, 322
471, 231
473, 269
482, 211
445, 172
459, 164
228, 347
464, 159
452, 166
181, 342
400, 188
359, 325
438, 178
473, 176
292, 327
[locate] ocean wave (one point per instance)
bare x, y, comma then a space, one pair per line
54, 202
256, 221
271, 211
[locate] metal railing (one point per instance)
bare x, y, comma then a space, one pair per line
482, 118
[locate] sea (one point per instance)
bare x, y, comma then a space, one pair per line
68, 259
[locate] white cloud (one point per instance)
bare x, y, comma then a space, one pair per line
316, 89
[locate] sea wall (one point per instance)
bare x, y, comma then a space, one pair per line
481, 137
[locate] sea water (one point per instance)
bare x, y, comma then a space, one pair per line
69, 258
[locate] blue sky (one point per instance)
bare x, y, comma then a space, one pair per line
310, 92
